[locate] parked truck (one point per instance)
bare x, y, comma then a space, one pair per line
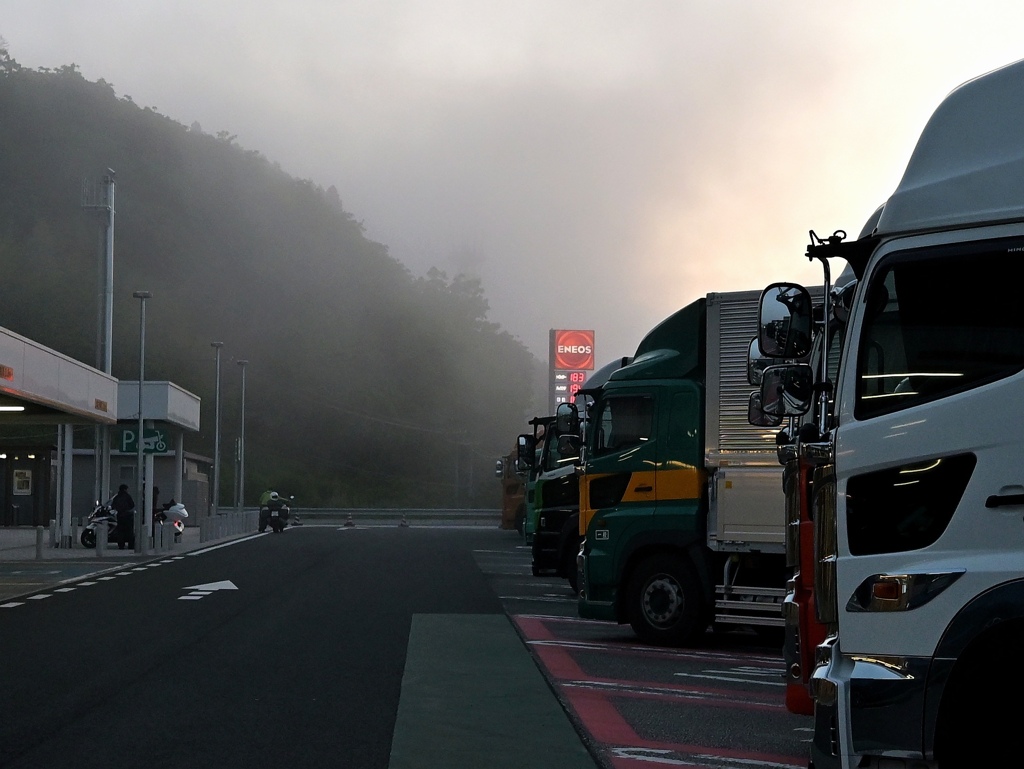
918, 483
513, 492
681, 502
556, 539
795, 442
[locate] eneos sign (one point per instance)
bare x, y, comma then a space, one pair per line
572, 350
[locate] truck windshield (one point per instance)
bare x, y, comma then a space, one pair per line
939, 326
622, 422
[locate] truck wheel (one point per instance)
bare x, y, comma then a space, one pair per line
663, 602
569, 568
975, 726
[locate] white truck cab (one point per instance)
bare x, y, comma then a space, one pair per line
919, 489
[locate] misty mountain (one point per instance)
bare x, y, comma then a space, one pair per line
365, 384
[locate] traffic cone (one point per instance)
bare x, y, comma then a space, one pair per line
403, 522
349, 522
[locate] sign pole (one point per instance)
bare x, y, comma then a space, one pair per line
140, 505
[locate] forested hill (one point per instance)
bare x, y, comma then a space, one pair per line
365, 384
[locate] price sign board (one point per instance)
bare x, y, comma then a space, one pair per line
571, 356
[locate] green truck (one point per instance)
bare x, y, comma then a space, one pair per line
682, 511
554, 510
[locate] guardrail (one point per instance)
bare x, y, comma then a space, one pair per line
398, 515
228, 525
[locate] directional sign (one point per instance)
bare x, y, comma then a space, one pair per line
153, 441
201, 591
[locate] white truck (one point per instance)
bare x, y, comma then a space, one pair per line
918, 492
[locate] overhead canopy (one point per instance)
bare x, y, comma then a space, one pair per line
161, 402
42, 386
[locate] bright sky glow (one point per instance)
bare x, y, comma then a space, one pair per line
597, 164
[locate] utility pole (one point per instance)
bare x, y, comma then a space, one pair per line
216, 433
104, 202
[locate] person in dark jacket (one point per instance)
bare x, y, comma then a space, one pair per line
124, 507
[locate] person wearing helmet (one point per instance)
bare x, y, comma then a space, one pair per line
266, 498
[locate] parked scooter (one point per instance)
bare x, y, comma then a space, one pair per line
173, 515
105, 515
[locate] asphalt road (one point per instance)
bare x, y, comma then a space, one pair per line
369, 647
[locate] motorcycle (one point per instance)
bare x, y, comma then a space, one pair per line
105, 515
276, 514
173, 515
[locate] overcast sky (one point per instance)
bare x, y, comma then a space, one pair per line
597, 164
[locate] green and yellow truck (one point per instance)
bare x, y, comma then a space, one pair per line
682, 512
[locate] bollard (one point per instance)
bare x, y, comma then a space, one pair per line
39, 543
53, 533
101, 540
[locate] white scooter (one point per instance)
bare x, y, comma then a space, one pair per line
173, 515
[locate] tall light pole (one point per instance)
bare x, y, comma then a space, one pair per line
105, 322
140, 505
241, 446
216, 432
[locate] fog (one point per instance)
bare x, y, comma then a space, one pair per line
596, 164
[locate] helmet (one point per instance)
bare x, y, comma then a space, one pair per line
273, 495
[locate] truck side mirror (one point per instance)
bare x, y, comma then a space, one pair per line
526, 448
756, 364
499, 469
785, 320
787, 391
567, 419
756, 415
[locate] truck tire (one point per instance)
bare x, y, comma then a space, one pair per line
663, 601
976, 726
569, 568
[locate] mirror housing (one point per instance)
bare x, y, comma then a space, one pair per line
499, 468
756, 415
567, 419
756, 364
787, 391
525, 451
785, 320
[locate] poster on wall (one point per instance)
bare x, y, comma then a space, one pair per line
22, 482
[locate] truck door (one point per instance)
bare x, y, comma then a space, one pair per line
929, 447
621, 467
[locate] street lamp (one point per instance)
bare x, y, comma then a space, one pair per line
241, 446
140, 506
216, 432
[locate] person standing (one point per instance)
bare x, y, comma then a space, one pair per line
124, 508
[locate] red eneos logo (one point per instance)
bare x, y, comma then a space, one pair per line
574, 350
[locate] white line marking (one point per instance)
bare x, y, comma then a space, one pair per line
85, 584
226, 544
9, 605
39, 597
731, 680
63, 590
